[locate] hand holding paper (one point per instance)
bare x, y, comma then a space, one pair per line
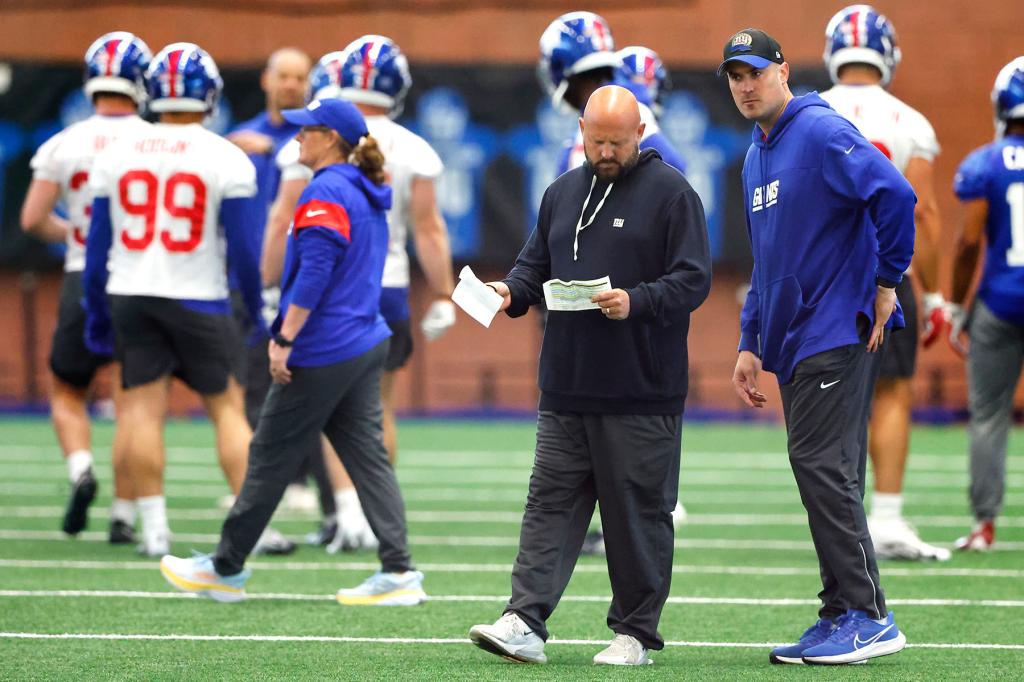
479, 301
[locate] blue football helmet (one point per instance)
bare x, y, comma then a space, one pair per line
325, 77
572, 44
860, 34
1008, 94
644, 74
372, 71
183, 77
116, 62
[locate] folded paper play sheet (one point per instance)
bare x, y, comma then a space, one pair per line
476, 298
574, 295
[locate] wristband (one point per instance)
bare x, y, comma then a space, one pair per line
280, 340
888, 284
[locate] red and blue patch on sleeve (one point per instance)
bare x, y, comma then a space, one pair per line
318, 213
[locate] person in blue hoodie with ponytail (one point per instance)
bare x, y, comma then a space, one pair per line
831, 226
326, 357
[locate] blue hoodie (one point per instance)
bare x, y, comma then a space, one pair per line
826, 214
333, 266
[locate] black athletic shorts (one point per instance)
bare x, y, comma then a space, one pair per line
401, 345
156, 337
70, 360
899, 352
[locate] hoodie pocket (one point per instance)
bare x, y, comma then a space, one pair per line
781, 309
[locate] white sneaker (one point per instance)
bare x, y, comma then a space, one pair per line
300, 498
386, 589
895, 538
678, 515
624, 650
511, 639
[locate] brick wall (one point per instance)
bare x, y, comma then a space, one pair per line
952, 51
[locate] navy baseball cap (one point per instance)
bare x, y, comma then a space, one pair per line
751, 46
336, 114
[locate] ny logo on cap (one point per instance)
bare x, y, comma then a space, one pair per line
741, 42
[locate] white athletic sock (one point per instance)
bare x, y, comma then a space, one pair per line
887, 505
153, 511
347, 498
79, 462
123, 510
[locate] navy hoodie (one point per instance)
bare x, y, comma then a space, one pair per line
826, 214
333, 266
650, 238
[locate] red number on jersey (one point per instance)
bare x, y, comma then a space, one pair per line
194, 213
78, 180
882, 148
147, 209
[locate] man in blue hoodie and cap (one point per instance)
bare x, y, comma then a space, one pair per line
831, 226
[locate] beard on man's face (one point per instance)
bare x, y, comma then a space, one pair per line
610, 170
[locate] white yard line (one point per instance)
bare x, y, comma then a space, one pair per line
505, 459
515, 518
469, 598
469, 541
286, 565
433, 640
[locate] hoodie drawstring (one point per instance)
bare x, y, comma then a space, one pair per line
579, 223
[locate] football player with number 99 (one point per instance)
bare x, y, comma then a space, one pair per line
169, 202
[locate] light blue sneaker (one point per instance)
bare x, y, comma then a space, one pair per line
198, 576
857, 639
386, 589
813, 636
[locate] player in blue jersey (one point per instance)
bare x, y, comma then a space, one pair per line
990, 183
577, 56
326, 357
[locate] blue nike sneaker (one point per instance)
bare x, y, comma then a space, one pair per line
857, 639
198, 576
813, 636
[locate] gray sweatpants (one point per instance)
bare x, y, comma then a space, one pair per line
826, 405
994, 364
628, 463
342, 401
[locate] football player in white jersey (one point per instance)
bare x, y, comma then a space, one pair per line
170, 200
861, 54
372, 73
115, 65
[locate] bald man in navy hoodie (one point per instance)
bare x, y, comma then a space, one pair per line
613, 382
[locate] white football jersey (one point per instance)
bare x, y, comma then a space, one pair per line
66, 159
166, 184
577, 156
406, 156
899, 131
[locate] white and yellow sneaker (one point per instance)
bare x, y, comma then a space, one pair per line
386, 589
198, 576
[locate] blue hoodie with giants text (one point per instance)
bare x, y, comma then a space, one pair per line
827, 213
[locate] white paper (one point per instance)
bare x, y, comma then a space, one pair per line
574, 295
476, 298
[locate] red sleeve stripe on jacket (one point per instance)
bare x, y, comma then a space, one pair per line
316, 213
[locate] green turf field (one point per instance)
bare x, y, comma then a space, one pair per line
745, 574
